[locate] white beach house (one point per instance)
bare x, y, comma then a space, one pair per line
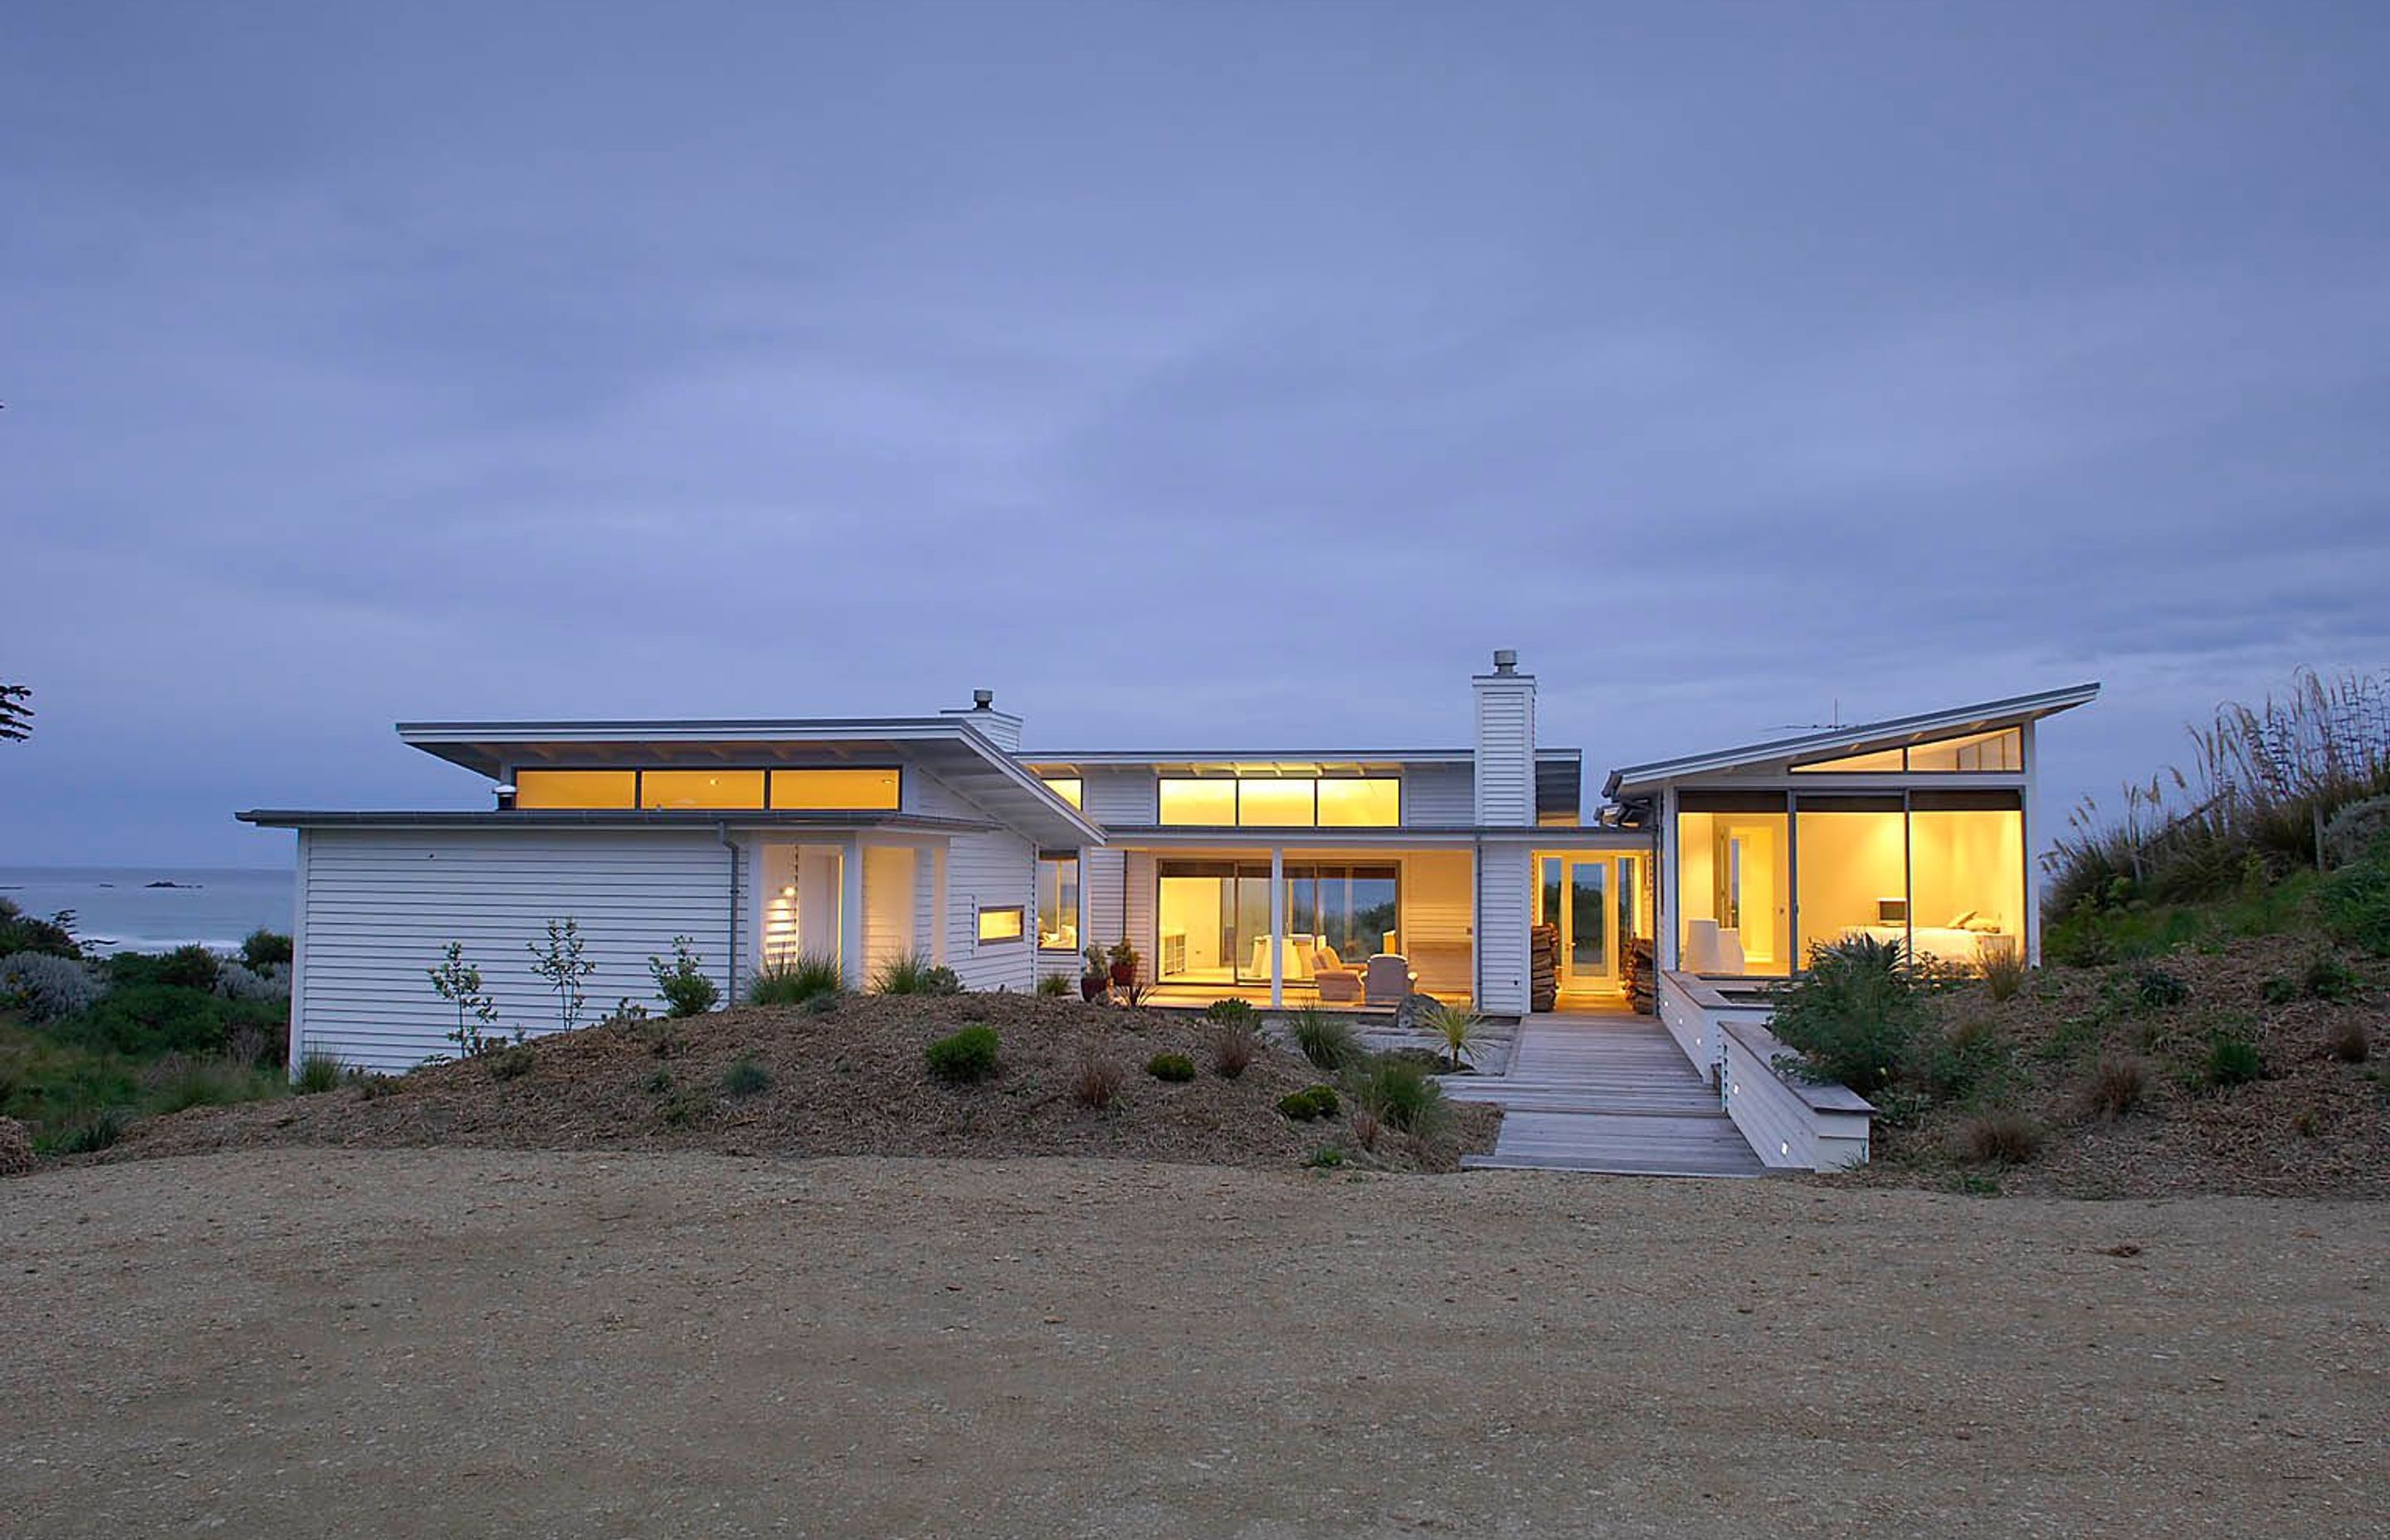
1344, 877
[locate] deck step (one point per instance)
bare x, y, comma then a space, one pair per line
1608, 1095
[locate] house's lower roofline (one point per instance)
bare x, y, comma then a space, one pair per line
661, 818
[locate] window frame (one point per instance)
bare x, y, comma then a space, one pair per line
1237, 785
638, 774
1079, 899
1020, 925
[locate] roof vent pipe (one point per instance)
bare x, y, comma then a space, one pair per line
1506, 659
983, 700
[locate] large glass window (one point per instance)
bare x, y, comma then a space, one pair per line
1854, 869
701, 788
1993, 751
1071, 788
1734, 890
1967, 875
539, 788
1000, 924
837, 791
1213, 920
1058, 903
1282, 801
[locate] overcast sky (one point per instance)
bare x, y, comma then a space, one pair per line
1198, 374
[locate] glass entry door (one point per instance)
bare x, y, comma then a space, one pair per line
1587, 959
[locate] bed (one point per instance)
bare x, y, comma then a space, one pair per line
1963, 944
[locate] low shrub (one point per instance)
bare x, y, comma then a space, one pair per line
2359, 830
2329, 978
319, 1072
682, 983
512, 1063
2353, 904
91, 1135
1325, 1157
1053, 985
685, 1109
912, 973
374, 1086
2155, 989
821, 1005
1177, 1068
237, 981
1366, 1128
2232, 1061
2279, 989
1324, 1040
2119, 1083
46, 986
2000, 1139
2004, 974
1401, 1095
793, 982
145, 1020
1853, 1015
1096, 1080
1228, 1013
1969, 1060
659, 1082
746, 1078
970, 1055
1234, 1045
1312, 1101
2348, 1041
21, 932
261, 949
179, 1080
192, 966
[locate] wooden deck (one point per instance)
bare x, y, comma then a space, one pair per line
1608, 1093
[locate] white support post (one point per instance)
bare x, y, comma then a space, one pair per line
2029, 830
936, 863
849, 913
1278, 928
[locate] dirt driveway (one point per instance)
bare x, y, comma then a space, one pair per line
309, 1342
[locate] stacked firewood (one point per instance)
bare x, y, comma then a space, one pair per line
1543, 967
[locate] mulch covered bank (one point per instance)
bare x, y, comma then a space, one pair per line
850, 1082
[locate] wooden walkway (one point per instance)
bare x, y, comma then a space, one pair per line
1607, 1094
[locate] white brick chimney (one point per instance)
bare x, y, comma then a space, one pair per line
1001, 729
1506, 745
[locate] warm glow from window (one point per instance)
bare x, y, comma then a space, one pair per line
536, 788
1882, 762
1071, 788
1058, 903
1188, 801
2000, 750
701, 788
1369, 802
835, 791
1000, 924
1275, 804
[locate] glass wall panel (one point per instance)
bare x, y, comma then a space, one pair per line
1071, 788
536, 788
1195, 923
1734, 893
1854, 870
701, 788
1058, 903
1276, 803
1884, 761
1967, 869
2000, 750
998, 924
1187, 799
1588, 917
1369, 802
836, 790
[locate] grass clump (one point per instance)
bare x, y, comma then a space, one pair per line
319, 1072
1325, 1157
1401, 1095
2000, 1139
1053, 986
1175, 1067
2348, 1041
2232, 1061
1324, 1040
2155, 989
2004, 974
1312, 1101
1229, 1013
1234, 1046
1097, 1080
512, 1063
1461, 1028
968, 1055
746, 1078
2353, 904
2119, 1083
913, 973
92, 1133
793, 981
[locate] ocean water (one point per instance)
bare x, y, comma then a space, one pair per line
117, 909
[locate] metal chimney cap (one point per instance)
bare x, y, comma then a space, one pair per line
983, 700
1506, 659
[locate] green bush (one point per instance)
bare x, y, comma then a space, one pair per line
2279, 989
2328, 978
93, 1134
261, 949
912, 973
1053, 985
148, 1020
2353, 904
1174, 1067
968, 1054
1853, 1016
787, 983
681, 984
2155, 989
1969, 1062
512, 1063
1325, 1157
2358, 831
179, 1080
745, 1078
318, 1072
1401, 1095
192, 966
1324, 1040
2233, 1061
1231, 1012
21, 932
1312, 1101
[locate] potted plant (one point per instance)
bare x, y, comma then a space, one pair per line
1099, 976
1124, 960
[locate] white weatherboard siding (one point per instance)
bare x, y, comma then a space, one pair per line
1121, 794
1503, 891
1436, 919
1144, 893
988, 871
1104, 872
1439, 796
1506, 749
380, 904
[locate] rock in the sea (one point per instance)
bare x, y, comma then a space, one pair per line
16, 1148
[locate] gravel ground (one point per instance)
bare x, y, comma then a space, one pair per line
304, 1342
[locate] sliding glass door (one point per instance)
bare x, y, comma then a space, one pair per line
1213, 920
